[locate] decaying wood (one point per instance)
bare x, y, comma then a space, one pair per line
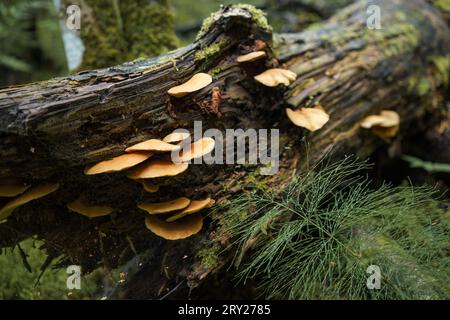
51, 130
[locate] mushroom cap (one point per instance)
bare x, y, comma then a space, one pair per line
176, 137
197, 82
194, 206
276, 76
386, 133
180, 229
386, 119
150, 187
12, 188
79, 206
119, 163
166, 206
155, 168
310, 118
153, 145
197, 149
31, 194
252, 56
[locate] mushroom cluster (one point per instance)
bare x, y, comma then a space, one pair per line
184, 220
148, 160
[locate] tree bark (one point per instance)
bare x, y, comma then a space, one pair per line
51, 130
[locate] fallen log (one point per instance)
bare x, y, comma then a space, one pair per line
50, 131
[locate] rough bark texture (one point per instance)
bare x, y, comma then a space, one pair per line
50, 131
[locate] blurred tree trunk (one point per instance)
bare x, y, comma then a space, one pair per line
116, 31
52, 130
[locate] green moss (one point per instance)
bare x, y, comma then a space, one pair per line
443, 5
442, 64
258, 16
210, 50
423, 87
113, 34
209, 256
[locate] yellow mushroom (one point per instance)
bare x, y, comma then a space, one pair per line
153, 145
176, 137
385, 125
310, 118
85, 209
166, 206
12, 188
197, 82
252, 56
156, 168
194, 206
31, 194
150, 187
180, 229
197, 149
119, 163
276, 76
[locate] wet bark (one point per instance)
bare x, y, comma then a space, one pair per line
51, 130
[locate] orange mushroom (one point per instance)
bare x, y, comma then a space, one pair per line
197, 149
310, 118
276, 76
31, 194
85, 209
119, 163
176, 137
180, 229
252, 56
153, 145
197, 82
166, 206
12, 188
155, 168
194, 206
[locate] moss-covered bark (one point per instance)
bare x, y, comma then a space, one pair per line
116, 31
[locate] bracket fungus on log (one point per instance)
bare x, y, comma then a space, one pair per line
175, 137
166, 206
252, 56
193, 207
180, 229
12, 188
119, 163
274, 77
197, 82
310, 118
153, 145
156, 168
385, 125
31, 194
90, 211
197, 149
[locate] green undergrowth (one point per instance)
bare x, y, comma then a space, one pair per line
316, 239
